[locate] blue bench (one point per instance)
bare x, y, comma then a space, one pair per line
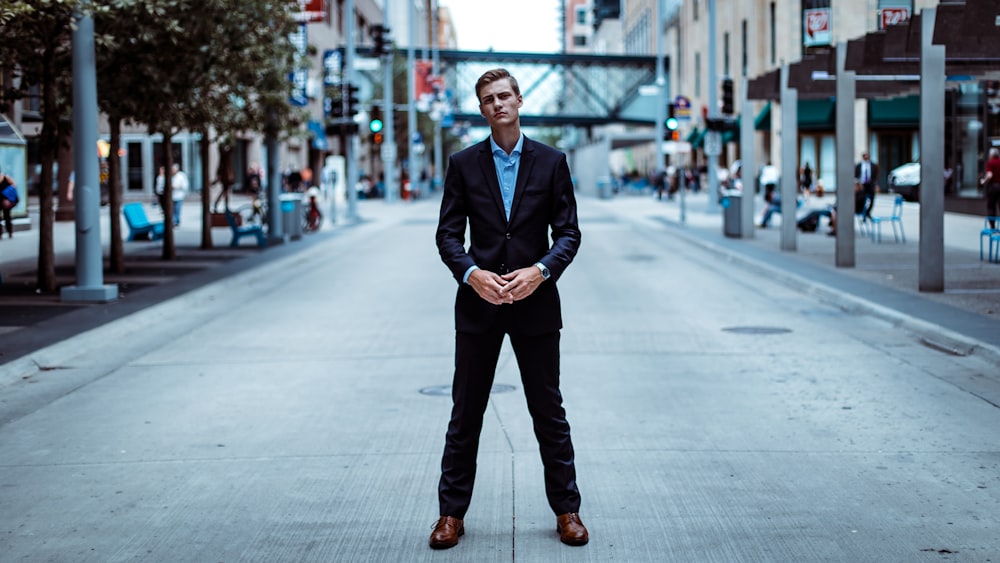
139, 226
240, 231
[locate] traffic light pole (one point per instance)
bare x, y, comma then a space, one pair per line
713, 139
349, 148
661, 92
388, 150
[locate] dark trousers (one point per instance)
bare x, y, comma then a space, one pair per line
8, 222
476, 358
869, 191
993, 201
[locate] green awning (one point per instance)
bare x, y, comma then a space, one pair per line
763, 120
696, 138
897, 112
816, 114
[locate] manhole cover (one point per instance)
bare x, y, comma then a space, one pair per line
445, 390
756, 330
639, 257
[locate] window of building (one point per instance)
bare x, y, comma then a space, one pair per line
725, 54
694, 6
744, 56
697, 74
581, 16
579, 40
774, 36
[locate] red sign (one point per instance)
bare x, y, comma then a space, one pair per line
894, 16
311, 11
816, 24
817, 21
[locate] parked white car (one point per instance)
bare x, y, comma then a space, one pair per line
905, 181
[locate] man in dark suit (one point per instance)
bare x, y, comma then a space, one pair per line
866, 182
509, 191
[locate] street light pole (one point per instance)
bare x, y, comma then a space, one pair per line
90, 285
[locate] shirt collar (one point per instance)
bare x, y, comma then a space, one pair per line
494, 147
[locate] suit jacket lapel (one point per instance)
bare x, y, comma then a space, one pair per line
523, 173
489, 170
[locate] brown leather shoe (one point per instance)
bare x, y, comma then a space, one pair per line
571, 529
446, 532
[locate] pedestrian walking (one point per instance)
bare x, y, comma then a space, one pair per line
178, 190
509, 191
866, 181
8, 200
992, 184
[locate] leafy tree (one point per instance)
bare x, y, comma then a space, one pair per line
37, 47
202, 65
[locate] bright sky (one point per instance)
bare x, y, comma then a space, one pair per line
530, 26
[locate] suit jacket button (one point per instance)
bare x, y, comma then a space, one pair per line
508, 236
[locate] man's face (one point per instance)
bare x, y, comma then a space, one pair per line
864, 156
498, 103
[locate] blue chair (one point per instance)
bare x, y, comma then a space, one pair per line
995, 247
989, 233
139, 226
240, 231
895, 219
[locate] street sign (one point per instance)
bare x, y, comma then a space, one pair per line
682, 108
388, 153
676, 147
713, 143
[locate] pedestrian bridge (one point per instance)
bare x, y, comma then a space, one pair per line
558, 89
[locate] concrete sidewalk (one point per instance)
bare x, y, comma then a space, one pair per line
964, 318
295, 410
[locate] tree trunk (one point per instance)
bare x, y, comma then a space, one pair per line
169, 247
206, 194
65, 208
117, 247
48, 149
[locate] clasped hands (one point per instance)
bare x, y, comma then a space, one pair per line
508, 288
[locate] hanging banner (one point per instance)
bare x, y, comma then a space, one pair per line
426, 87
817, 29
300, 75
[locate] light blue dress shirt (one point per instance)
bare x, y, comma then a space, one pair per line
506, 166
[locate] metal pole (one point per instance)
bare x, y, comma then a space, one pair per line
438, 143
350, 148
90, 285
747, 162
932, 79
713, 113
788, 184
661, 93
275, 230
412, 159
846, 93
388, 153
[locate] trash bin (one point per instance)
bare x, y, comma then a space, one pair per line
732, 209
291, 215
603, 188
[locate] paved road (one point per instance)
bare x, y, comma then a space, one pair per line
292, 412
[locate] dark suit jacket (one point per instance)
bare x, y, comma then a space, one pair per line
543, 199
874, 174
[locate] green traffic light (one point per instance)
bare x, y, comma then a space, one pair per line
672, 123
375, 125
